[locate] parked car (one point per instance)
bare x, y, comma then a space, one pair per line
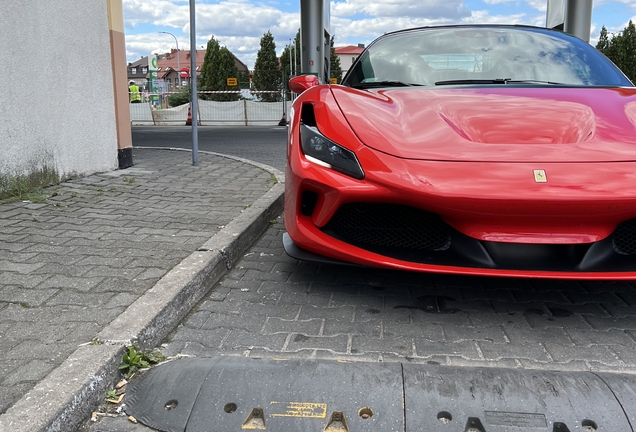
479, 150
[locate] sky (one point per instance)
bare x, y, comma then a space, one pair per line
240, 24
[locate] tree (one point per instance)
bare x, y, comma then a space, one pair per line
218, 66
621, 49
334, 64
603, 41
207, 80
267, 76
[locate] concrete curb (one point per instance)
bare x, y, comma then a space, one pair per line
65, 398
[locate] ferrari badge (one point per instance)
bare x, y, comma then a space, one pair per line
540, 177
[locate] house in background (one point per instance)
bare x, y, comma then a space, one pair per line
347, 55
168, 66
138, 72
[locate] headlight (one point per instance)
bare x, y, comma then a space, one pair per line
321, 150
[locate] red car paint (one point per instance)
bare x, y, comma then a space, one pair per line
469, 154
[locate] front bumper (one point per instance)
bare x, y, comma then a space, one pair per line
500, 221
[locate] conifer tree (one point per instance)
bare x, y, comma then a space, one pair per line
206, 79
267, 75
621, 49
218, 66
335, 67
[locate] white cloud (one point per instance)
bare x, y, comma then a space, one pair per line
431, 9
239, 24
147, 11
484, 17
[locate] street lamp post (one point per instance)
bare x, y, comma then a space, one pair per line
178, 57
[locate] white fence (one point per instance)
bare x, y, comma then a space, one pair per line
243, 112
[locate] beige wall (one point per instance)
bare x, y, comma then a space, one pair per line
120, 79
48, 119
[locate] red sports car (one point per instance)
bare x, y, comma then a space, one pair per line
482, 150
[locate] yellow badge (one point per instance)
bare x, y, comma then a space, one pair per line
298, 409
540, 177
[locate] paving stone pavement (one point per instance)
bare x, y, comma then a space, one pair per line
72, 264
271, 305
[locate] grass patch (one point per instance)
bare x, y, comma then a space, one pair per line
28, 187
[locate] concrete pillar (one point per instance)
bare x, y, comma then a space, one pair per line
314, 38
120, 83
578, 18
571, 16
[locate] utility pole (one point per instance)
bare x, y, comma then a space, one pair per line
193, 86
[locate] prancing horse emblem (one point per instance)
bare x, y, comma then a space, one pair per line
540, 177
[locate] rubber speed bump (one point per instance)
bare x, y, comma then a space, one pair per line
238, 393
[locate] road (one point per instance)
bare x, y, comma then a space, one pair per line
273, 306
264, 144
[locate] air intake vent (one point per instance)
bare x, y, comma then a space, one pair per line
373, 225
624, 238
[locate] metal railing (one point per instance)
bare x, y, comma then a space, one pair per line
154, 110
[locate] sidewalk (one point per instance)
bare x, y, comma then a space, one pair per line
115, 257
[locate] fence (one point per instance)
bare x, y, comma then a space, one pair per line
244, 112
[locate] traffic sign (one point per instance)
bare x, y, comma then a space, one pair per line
185, 72
232, 82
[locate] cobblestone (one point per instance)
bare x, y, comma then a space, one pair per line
374, 315
73, 264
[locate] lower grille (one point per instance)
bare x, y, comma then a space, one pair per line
372, 225
624, 238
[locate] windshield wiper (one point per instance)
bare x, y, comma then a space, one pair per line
494, 81
372, 84
472, 81
533, 82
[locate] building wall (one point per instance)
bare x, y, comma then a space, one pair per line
49, 120
346, 61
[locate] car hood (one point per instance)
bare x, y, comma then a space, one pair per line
502, 123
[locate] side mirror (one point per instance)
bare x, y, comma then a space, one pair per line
301, 83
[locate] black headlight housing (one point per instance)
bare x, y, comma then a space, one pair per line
322, 151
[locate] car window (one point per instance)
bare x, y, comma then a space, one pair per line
436, 55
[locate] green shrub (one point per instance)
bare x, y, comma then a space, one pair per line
179, 98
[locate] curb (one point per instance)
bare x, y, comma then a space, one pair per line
89, 372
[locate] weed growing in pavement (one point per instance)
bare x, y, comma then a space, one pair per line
27, 187
112, 394
37, 196
34, 195
129, 180
135, 359
74, 195
274, 179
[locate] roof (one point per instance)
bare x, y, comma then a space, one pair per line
170, 61
139, 63
349, 49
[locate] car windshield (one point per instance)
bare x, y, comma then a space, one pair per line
483, 55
